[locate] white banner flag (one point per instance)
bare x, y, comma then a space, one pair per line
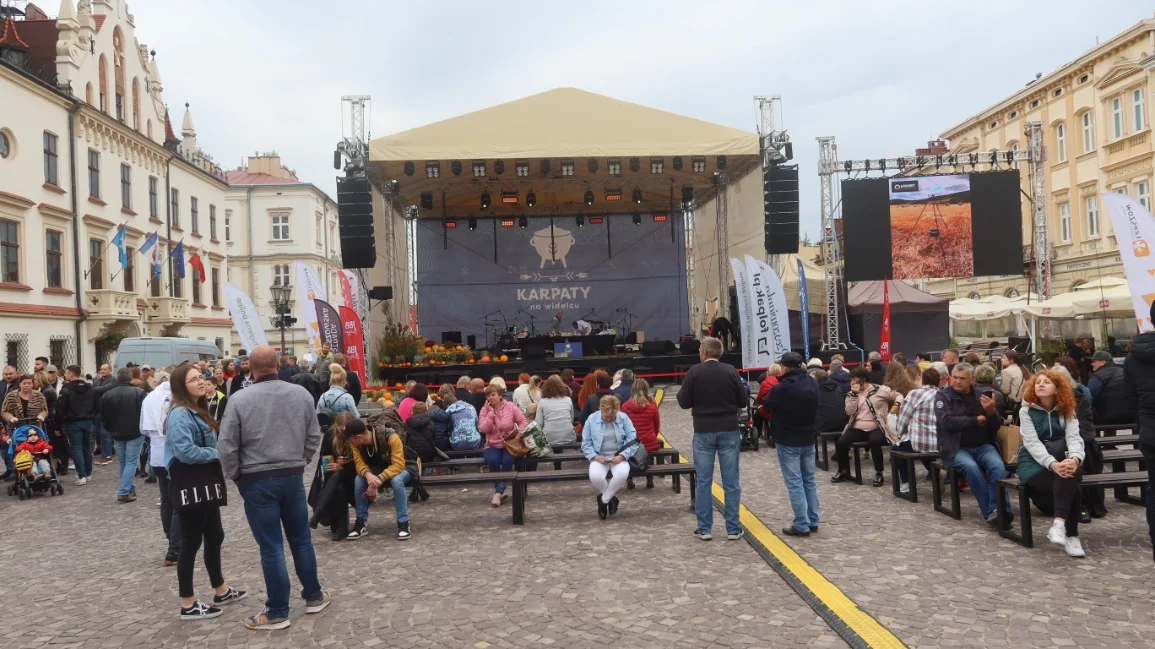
245, 317
771, 319
1135, 231
309, 288
745, 324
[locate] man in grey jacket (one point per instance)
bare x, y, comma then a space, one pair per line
269, 433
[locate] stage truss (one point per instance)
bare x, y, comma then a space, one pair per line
829, 166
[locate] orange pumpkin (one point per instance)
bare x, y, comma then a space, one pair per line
504, 358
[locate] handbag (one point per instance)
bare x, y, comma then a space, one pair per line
536, 441
192, 486
514, 444
640, 460
1057, 448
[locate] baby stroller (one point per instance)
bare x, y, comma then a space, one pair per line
746, 430
25, 485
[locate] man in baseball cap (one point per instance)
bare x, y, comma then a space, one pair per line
793, 406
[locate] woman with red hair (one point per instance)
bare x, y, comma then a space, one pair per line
1052, 455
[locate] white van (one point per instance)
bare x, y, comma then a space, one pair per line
162, 352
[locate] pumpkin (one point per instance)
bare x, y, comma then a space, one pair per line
504, 358
388, 404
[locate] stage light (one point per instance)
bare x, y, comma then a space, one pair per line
721, 162
427, 200
657, 165
485, 200
882, 164
613, 195
1010, 156
938, 161
478, 169
522, 169
635, 165
687, 194
509, 198
432, 169
847, 165
531, 199
952, 160
409, 169
637, 219
499, 167
638, 195
567, 168
920, 161
974, 159
614, 167
451, 224
589, 197
472, 223
597, 220
901, 164
866, 165
677, 163
592, 165
660, 218
580, 221
698, 165
523, 223
508, 223
545, 166
788, 151
455, 167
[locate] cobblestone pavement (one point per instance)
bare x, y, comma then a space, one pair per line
81, 570
938, 582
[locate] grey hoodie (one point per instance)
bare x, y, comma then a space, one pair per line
270, 429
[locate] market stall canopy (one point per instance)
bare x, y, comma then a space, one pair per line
866, 297
1113, 302
1102, 282
559, 144
1061, 306
988, 308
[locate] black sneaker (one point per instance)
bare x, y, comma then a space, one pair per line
613, 506
705, 536
338, 535
840, 476
878, 480
360, 530
794, 531
231, 595
603, 509
199, 611
813, 529
403, 531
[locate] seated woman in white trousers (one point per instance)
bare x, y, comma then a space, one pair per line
608, 441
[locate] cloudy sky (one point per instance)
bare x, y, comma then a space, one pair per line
882, 77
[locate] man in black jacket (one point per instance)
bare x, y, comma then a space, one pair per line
793, 404
309, 381
1139, 403
288, 368
120, 415
1106, 387
714, 393
831, 414
243, 379
75, 410
968, 427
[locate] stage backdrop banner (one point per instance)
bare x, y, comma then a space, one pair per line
745, 313
596, 271
309, 288
330, 325
354, 342
1135, 231
771, 317
245, 317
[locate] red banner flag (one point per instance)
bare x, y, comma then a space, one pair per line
346, 290
354, 342
884, 339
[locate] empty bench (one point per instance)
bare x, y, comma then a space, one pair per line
908, 458
822, 449
1025, 535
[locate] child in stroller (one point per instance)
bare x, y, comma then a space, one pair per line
31, 453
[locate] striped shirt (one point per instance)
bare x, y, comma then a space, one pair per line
916, 421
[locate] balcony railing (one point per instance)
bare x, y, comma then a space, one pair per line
163, 310
109, 304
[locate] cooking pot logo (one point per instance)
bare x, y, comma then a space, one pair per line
552, 244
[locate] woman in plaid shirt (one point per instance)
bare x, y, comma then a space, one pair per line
916, 424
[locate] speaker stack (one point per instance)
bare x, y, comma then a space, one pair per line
780, 207
355, 218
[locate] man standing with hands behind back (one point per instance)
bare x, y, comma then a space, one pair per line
713, 392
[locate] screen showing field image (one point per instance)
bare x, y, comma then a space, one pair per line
930, 227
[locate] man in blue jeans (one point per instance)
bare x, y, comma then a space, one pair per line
76, 409
379, 459
967, 432
792, 406
714, 393
268, 435
119, 409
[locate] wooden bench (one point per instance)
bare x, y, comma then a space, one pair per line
523, 479
952, 478
478, 452
661, 456
1117, 440
823, 455
908, 458
1025, 535
857, 449
466, 478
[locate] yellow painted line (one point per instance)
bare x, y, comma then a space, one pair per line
870, 632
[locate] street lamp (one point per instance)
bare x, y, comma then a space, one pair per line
283, 318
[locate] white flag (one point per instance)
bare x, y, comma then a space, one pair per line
1135, 231
309, 288
245, 317
745, 324
771, 318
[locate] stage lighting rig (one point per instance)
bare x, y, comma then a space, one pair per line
485, 200
635, 165
580, 221
613, 195
523, 223
455, 167
592, 165
657, 165
638, 195
637, 219
409, 168
589, 197
545, 166
677, 163
698, 165
479, 170
522, 169
499, 167
530, 199
432, 169
427, 200
567, 168
472, 223
614, 167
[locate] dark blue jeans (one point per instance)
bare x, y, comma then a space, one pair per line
498, 459
80, 439
271, 503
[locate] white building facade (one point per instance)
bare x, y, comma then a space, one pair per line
86, 151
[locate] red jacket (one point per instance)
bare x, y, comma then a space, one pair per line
647, 421
763, 390
41, 447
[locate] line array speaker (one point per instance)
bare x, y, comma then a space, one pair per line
355, 218
780, 206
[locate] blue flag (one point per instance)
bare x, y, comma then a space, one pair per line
118, 241
178, 255
804, 299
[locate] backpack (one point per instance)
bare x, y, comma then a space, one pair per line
463, 433
326, 410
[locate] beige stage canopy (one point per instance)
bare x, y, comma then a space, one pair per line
609, 147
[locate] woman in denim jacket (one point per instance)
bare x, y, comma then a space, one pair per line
608, 441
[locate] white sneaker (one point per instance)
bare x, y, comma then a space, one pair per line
904, 488
1074, 548
80, 482
1058, 533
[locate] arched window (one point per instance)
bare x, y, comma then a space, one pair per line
103, 82
1078, 284
136, 103
118, 78
975, 295
1012, 293
88, 93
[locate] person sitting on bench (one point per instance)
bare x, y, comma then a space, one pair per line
1051, 457
867, 406
916, 424
967, 427
498, 419
379, 456
831, 415
608, 442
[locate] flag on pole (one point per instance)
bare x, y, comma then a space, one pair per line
152, 249
804, 299
118, 241
198, 266
178, 255
884, 338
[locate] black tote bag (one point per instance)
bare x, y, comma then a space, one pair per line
192, 486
